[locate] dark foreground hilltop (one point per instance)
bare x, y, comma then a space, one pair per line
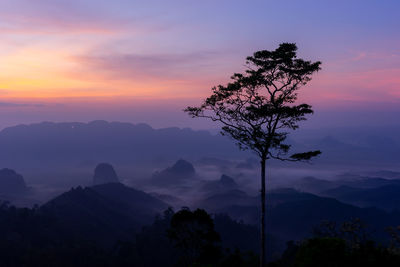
114, 225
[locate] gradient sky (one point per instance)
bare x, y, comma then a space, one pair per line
144, 61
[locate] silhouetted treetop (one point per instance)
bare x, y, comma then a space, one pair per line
257, 107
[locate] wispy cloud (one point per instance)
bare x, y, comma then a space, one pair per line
155, 66
60, 17
19, 105
380, 85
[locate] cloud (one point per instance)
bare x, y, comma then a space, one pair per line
20, 24
17, 105
365, 61
155, 66
380, 85
59, 17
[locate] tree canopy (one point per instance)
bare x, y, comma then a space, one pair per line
257, 108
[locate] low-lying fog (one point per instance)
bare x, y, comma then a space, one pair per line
53, 157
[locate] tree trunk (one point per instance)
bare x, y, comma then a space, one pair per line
263, 256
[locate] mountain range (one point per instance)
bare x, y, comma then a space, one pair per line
70, 144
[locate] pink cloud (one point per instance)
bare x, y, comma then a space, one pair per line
68, 17
17, 24
369, 76
168, 67
370, 86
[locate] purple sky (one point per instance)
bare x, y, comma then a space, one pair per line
145, 61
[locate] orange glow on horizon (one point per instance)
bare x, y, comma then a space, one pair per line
48, 74
41, 74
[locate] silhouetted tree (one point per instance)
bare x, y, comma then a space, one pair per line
335, 252
258, 107
193, 233
153, 240
394, 233
354, 231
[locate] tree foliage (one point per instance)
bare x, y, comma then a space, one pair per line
257, 108
193, 233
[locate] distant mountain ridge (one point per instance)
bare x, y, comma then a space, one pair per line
318, 186
292, 215
11, 182
105, 213
225, 183
180, 172
386, 197
104, 173
102, 141
75, 143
